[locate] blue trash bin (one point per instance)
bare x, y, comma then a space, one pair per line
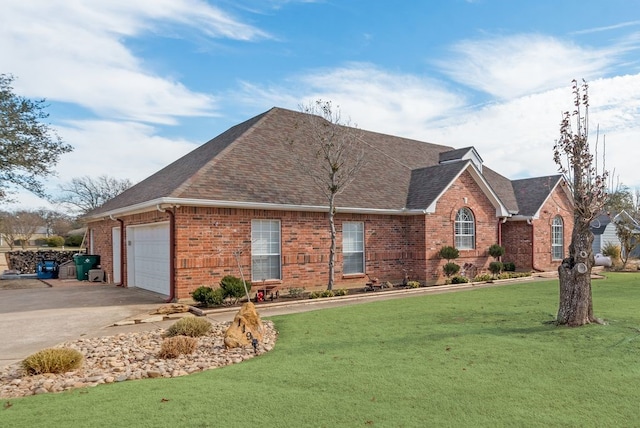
47, 269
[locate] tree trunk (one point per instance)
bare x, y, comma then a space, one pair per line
576, 304
332, 247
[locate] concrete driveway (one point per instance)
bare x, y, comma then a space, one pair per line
34, 318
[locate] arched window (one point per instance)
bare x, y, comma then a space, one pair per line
465, 230
557, 239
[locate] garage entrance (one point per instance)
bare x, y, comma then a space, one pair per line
148, 257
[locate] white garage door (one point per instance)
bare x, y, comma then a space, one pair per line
148, 257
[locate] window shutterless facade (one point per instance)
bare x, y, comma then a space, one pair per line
557, 239
465, 230
265, 250
353, 247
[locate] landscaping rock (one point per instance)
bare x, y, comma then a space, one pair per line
246, 321
173, 308
131, 356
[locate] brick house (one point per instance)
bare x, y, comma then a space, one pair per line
242, 201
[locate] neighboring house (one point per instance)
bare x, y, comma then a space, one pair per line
243, 201
604, 231
41, 233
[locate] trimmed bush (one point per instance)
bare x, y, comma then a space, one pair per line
208, 296
173, 347
449, 253
509, 267
496, 251
52, 360
495, 267
459, 280
341, 292
233, 287
189, 326
451, 268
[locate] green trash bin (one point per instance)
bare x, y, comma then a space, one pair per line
84, 263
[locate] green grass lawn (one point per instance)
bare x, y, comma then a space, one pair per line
486, 357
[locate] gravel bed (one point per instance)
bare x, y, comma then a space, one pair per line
130, 356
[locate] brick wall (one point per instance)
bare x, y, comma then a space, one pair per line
210, 242
529, 245
440, 227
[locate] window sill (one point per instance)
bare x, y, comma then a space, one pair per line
353, 275
266, 282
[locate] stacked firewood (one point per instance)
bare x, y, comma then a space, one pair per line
27, 261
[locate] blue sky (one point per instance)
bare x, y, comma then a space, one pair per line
134, 85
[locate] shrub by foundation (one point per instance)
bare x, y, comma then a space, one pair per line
495, 268
189, 326
233, 287
208, 296
52, 360
509, 267
173, 347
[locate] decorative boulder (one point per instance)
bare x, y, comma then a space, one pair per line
246, 321
173, 308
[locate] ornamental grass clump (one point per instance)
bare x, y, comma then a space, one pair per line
173, 347
52, 360
189, 326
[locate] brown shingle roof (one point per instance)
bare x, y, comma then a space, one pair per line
532, 192
255, 162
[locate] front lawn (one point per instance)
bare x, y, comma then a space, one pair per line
485, 357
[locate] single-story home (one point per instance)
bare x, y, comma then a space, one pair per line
242, 204
604, 231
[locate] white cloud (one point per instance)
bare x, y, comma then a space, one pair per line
514, 66
117, 149
75, 52
373, 98
515, 137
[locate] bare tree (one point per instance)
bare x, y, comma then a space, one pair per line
579, 165
29, 148
19, 226
628, 234
58, 223
85, 193
623, 205
338, 155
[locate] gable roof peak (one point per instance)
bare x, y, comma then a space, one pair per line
465, 153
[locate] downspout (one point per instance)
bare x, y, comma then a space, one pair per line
119, 220
533, 246
172, 252
501, 221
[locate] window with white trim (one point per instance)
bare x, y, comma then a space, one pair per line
265, 250
557, 239
465, 230
353, 247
